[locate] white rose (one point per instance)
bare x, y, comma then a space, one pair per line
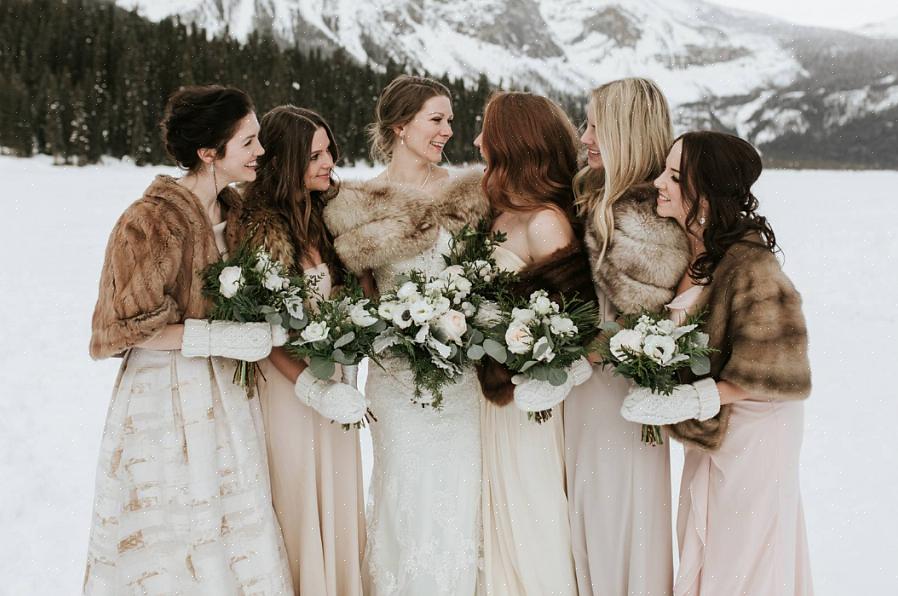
420, 311
360, 316
229, 281
488, 315
295, 307
274, 282
401, 317
548, 355
562, 325
518, 337
408, 292
628, 339
452, 326
522, 315
660, 348
314, 332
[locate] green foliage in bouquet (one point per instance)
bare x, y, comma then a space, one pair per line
250, 287
341, 331
650, 349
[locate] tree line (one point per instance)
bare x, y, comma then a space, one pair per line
80, 79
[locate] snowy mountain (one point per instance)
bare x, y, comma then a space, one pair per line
785, 87
887, 29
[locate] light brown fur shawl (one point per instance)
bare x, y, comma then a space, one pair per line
754, 319
376, 223
155, 256
646, 258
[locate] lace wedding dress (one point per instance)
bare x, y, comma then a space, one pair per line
424, 499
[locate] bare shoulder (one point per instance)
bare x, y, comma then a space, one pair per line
547, 231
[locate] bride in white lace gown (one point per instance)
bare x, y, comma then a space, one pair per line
423, 514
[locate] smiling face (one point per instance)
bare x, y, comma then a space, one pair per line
238, 164
590, 139
429, 131
317, 176
671, 202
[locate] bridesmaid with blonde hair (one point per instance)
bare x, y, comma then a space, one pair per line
618, 486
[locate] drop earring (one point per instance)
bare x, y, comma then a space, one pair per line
701, 220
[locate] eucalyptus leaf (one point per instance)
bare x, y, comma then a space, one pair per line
610, 326
322, 368
528, 365
476, 337
541, 351
298, 324
476, 352
495, 350
557, 376
700, 366
274, 318
540, 373
344, 339
346, 358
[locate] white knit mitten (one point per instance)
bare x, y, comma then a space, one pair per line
241, 341
279, 335
699, 400
337, 401
531, 395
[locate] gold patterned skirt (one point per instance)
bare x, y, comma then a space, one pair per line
183, 502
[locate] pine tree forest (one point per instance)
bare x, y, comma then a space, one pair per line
82, 79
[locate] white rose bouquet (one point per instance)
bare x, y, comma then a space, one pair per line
251, 287
541, 338
341, 331
649, 348
427, 323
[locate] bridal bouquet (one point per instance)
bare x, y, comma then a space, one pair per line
541, 338
341, 331
251, 287
649, 348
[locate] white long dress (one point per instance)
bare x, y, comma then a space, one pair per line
618, 491
424, 500
526, 536
183, 503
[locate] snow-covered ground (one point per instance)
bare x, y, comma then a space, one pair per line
841, 249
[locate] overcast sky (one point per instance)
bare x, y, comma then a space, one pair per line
840, 14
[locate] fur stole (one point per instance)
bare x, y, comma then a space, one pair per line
754, 319
155, 256
376, 223
566, 272
646, 258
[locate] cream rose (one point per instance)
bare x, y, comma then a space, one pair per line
314, 332
452, 326
518, 337
626, 339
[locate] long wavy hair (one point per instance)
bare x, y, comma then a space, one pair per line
721, 168
634, 132
530, 149
286, 133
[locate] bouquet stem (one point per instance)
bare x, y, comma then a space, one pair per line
540, 417
245, 376
651, 434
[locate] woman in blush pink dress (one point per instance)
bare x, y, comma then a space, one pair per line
741, 523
